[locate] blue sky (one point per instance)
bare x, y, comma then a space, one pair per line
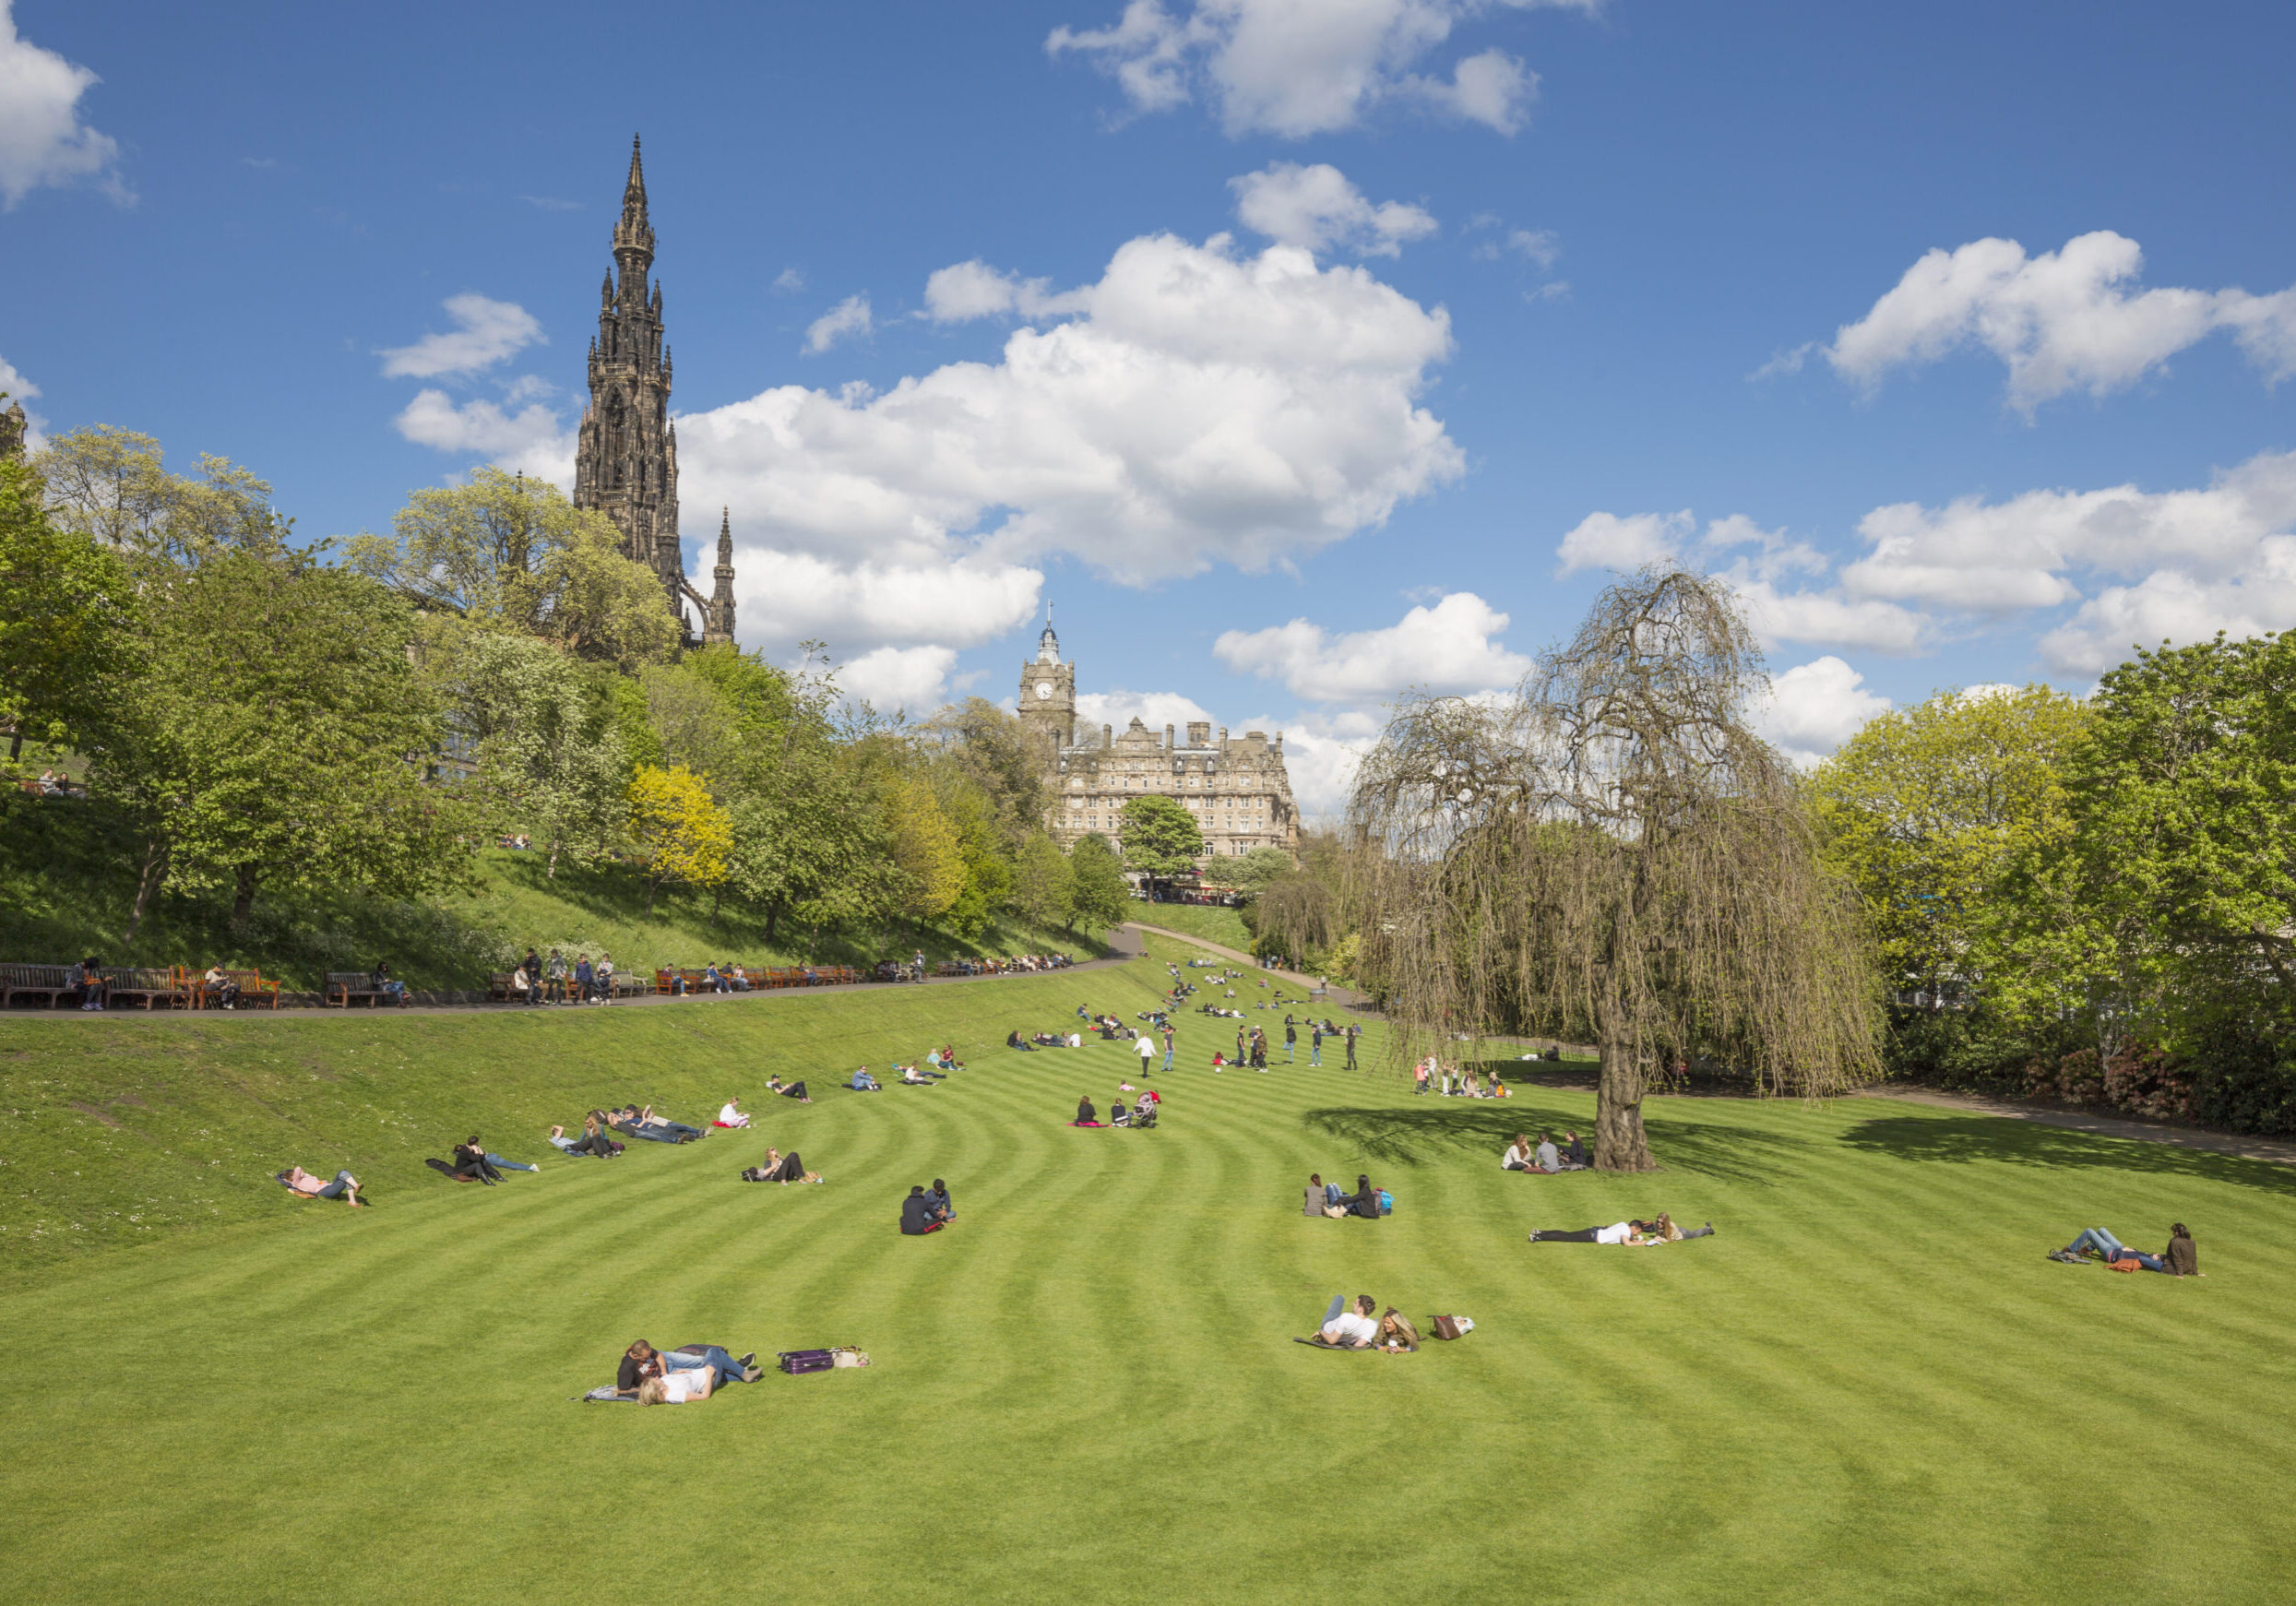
1299, 350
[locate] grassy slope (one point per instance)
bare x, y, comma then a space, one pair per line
67, 877
1871, 1387
1207, 921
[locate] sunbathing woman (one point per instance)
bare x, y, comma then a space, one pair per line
1664, 1230
781, 1168
2181, 1258
297, 1180
1616, 1232
1397, 1336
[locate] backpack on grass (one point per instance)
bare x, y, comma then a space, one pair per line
1386, 1203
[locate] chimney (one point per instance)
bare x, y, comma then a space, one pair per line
1224, 738
1108, 735
1199, 733
1168, 742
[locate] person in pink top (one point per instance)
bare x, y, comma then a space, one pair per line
296, 1180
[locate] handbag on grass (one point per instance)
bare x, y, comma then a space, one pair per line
1454, 1326
846, 1355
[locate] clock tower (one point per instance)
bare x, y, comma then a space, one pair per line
1047, 691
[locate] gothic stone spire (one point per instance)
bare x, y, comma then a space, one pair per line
718, 612
625, 462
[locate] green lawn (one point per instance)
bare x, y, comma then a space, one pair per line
1870, 1387
1210, 922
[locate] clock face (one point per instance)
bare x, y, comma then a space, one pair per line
1044, 690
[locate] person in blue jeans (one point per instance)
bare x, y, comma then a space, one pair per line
1168, 1041
713, 1356
1315, 1044
2112, 1249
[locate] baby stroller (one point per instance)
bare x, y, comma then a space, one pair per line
1144, 1119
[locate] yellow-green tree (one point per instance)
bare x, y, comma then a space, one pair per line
680, 833
928, 848
1929, 809
513, 553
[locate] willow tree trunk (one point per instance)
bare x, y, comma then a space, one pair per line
1619, 1144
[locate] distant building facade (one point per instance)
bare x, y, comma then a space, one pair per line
1237, 787
626, 461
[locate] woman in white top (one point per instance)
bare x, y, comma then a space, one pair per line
680, 1387
731, 1115
1517, 1156
1616, 1232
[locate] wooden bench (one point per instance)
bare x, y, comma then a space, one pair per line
342, 986
50, 983
151, 988
498, 986
253, 989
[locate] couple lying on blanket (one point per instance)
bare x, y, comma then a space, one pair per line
680, 1377
1632, 1234
1354, 1329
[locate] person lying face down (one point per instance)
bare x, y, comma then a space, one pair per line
1397, 1336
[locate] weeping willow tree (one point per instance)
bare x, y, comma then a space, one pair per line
1610, 854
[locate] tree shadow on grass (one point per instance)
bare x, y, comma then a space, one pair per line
1961, 1140
1437, 1129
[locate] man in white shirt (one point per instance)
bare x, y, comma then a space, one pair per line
1622, 1232
1348, 1329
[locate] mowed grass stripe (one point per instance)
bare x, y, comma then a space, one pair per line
1870, 1387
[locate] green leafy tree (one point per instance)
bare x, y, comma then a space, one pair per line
1256, 869
926, 847
681, 834
1160, 837
1928, 810
274, 737
1044, 885
64, 618
1100, 895
551, 761
113, 486
810, 843
513, 553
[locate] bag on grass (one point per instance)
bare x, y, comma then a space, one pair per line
796, 1362
1449, 1327
1386, 1203
2128, 1266
846, 1355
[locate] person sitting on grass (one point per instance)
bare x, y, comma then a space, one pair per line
1575, 1156
937, 1197
949, 1062
1364, 1201
917, 1215
1616, 1232
1085, 1114
1013, 1041
863, 1082
1318, 1200
1548, 1159
303, 1185
593, 1140
2181, 1258
1347, 1329
1517, 1156
732, 1115
793, 1090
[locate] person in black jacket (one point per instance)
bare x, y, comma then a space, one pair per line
1364, 1201
1574, 1157
917, 1215
1085, 1114
937, 1201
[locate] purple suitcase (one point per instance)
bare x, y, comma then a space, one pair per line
796, 1361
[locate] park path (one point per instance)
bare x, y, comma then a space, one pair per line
1125, 951
2266, 1149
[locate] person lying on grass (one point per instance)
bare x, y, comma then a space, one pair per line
1663, 1230
917, 1077
732, 1115
2181, 1258
593, 1140
863, 1082
1397, 1336
1012, 1039
781, 1168
642, 1364
917, 1215
303, 1185
1347, 1329
791, 1090
1616, 1232
1085, 1114
633, 1122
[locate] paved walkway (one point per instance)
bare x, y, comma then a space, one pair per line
1126, 949
2267, 1148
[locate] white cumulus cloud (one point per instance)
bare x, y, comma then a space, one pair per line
528, 441
894, 680
1117, 708
22, 391
1815, 708
1317, 208
1449, 648
966, 291
42, 140
1296, 68
485, 332
850, 316
2064, 320
944, 599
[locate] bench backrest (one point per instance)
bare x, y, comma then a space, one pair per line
356, 981
129, 979
37, 975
